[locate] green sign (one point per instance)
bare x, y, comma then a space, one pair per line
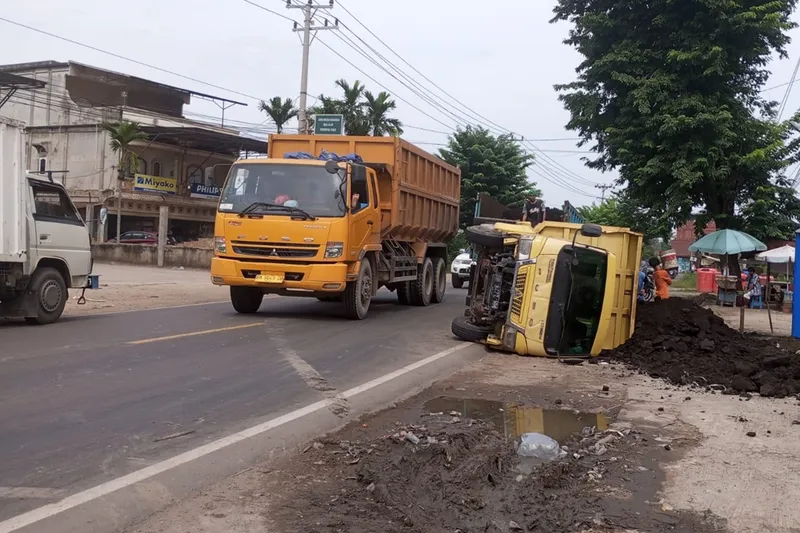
329, 124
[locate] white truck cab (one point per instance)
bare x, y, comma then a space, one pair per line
44, 244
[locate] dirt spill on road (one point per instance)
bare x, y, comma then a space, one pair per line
455, 469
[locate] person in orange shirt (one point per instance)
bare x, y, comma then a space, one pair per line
661, 277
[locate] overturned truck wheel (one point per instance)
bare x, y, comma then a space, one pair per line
467, 331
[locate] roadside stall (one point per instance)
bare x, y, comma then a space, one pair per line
725, 243
779, 256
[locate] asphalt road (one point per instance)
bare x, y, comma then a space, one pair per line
89, 399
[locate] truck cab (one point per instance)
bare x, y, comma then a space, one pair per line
556, 289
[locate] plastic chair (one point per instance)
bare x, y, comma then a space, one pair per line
756, 302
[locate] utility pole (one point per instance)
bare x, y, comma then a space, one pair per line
309, 11
603, 189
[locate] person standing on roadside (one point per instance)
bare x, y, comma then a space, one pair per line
662, 278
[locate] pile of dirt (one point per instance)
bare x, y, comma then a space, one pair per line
462, 475
680, 341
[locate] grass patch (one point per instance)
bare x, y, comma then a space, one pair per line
687, 280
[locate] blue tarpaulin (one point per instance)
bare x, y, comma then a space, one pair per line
325, 156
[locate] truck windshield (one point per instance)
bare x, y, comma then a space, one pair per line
307, 187
577, 300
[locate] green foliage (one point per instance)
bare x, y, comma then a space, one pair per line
669, 94
364, 113
122, 135
619, 210
495, 165
456, 244
279, 110
686, 280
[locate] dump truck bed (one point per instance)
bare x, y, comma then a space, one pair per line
626, 245
12, 189
420, 193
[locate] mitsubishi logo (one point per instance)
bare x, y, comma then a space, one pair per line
274, 253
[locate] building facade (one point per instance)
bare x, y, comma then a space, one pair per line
182, 162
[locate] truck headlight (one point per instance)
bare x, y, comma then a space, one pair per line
219, 245
334, 250
524, 248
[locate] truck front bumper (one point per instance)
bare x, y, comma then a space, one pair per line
297, 277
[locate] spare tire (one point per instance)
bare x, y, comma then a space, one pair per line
485, 235
465, 330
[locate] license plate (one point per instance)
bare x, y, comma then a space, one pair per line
269, 278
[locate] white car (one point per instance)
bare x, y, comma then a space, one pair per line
459, 269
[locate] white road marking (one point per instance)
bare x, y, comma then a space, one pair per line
80, 498
29, 492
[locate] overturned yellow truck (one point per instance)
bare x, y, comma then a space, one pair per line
557, 289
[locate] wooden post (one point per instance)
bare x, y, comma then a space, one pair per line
741, 319
769, 295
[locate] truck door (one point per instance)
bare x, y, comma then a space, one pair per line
60, 232
365, 217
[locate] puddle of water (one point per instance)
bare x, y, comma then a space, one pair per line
514, 420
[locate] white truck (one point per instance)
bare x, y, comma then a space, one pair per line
44, 243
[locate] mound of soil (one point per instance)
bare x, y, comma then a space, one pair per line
680, 341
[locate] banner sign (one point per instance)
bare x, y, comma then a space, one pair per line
145, 183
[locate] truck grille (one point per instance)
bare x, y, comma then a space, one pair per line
276, 251
516, 301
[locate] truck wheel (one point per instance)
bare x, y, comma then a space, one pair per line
358, 294
50, 291
404, 293
457, 282
246, 300
422, 287
485, 235
439, 280
467, 331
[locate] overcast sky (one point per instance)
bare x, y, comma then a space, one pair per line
499, 60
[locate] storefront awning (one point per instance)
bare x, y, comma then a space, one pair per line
203, 139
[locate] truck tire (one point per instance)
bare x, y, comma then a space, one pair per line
246, 300
457, 281
422, 287
467, 331
404, 293
485, 235
439, 280
50, 291
358, 294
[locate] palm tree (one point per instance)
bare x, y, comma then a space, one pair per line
279, 110
377, 110
353, 107
122, 135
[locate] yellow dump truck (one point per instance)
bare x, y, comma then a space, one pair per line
556, 289
303, 223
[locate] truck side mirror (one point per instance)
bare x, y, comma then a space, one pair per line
591, 230
332, 167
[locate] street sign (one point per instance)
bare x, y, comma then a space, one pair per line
329, 125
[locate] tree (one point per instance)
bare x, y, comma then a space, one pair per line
364, 113
495, 165
122, 135
669, 94
377, 115
279, 110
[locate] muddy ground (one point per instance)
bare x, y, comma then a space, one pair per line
464, 474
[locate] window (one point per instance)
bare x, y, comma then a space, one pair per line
142, 166
157, 168
42, 164
52, 204
194, 174
374, 191
359, 187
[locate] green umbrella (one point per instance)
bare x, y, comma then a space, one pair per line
727, 242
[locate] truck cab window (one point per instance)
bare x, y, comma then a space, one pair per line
359, 187
52, 204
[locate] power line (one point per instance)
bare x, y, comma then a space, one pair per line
135, 61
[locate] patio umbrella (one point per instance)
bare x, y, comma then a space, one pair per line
727, 242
